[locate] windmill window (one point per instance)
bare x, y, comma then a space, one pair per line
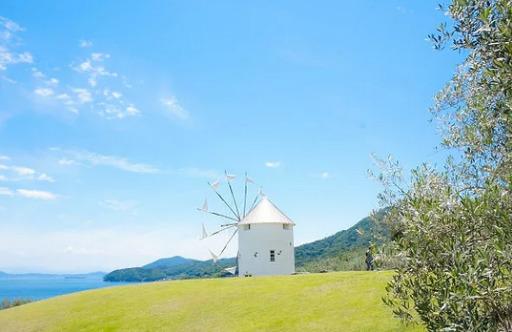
246, 227
287, 227
272, 255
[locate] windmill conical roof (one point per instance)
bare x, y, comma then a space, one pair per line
266, 212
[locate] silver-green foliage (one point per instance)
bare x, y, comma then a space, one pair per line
453, 226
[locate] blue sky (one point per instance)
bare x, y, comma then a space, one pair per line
115, 115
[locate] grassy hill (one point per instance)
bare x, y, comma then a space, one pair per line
342, 301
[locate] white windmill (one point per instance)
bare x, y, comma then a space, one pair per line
265, 234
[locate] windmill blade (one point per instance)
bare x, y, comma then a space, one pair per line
221, 230
232, 235
232, 224
229, 177
223, 200
204, 233
215, 258
245, 193
248, 179
222, 215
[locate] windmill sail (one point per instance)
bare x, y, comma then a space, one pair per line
204, 234
215, 185
215, 258
231, 270
204, 208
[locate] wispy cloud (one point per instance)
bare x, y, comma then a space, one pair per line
273, 164
83, 96
43, 92
95, 94
22, 173
67, 162
94, 68
323, 175
4, 191
8, 44
85, 43
36, 194
173, 107
96, 159
4, 158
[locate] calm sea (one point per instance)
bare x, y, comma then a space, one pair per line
36, 287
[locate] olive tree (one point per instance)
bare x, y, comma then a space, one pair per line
452, 226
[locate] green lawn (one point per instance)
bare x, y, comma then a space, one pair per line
342, 301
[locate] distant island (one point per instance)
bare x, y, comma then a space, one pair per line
338, 252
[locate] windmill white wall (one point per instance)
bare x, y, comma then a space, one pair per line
265, 242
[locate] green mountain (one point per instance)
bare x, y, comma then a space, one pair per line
189, 269
341, 251
169, 262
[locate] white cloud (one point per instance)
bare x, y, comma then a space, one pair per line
10, 25
36, 73
23, 171
325, 175
132, 110
67, 162
5, 158
116, 111
53, 81
6, 191
44, 92
45, 177
273, 164
174, 108
94, 69
84, 96
8, 43
95, 159
36, 194
99, 56
85, 43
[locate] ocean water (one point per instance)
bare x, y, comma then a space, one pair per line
37, 287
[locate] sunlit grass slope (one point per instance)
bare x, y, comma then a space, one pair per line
342, 301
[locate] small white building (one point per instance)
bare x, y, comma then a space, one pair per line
265, 242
